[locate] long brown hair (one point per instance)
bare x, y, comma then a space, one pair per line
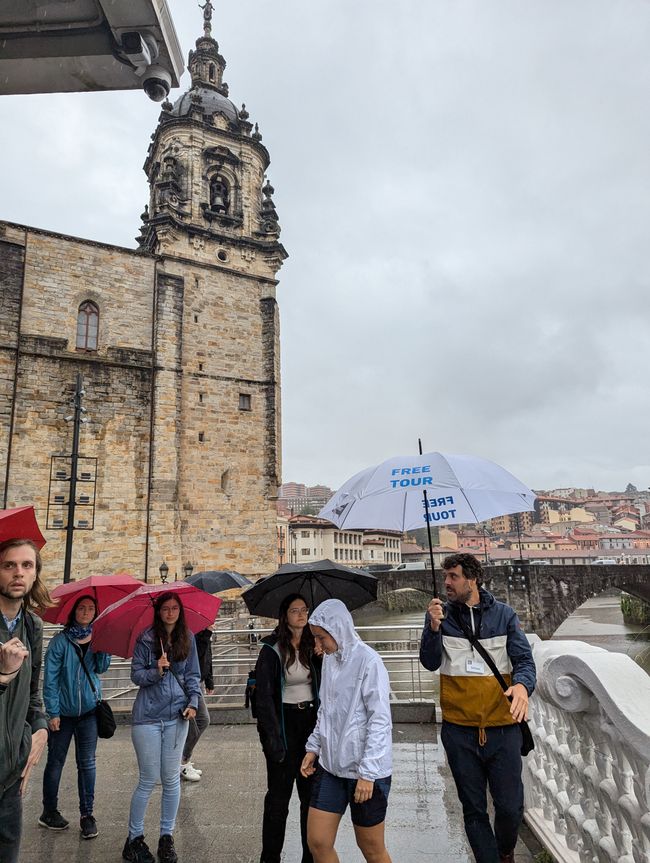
38, 597
179, 640
287, 650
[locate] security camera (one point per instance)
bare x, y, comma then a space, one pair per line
157, 83
140, 49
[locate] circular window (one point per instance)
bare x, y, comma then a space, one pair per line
223, 256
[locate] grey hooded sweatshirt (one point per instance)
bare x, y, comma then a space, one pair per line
352, 737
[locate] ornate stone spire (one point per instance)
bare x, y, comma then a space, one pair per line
208, 9
206, 64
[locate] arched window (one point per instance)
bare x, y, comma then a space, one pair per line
87, 326
211, 74
219, 195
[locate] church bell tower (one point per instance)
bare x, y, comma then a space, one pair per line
212, 225
206, 168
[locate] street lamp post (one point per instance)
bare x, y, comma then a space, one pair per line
164, 570
518, 526
188, 569
74, 463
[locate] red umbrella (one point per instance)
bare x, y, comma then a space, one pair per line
117, 628
105, 590
20, 523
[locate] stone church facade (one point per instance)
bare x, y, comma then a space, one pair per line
177, 343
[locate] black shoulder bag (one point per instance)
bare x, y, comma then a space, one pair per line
527, 741
106, 724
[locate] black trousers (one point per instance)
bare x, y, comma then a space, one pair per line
280, 779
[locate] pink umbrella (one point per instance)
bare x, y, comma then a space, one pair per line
20, 523
105, 590
116, 629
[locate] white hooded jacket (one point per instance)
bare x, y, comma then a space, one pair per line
352, 736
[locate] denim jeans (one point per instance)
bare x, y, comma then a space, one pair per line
496, 764
11, 822
158, 746
298, 725
196, 728
84, 730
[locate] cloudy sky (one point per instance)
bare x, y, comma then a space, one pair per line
464, 192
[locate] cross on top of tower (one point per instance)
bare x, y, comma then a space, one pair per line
208, 9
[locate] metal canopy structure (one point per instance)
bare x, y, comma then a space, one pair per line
67, 46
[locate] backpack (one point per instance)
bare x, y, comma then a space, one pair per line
250, 694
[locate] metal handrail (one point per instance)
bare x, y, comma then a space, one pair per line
234, 653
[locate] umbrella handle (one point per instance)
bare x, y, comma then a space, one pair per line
426, 515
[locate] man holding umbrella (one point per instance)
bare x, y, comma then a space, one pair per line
480, 722
23, 725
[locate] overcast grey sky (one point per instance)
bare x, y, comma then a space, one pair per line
464, 192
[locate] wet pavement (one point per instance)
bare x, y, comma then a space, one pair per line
219, 817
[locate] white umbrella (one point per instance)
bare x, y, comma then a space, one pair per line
460, 489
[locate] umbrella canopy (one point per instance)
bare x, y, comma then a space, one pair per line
461, 489
316, 582
20, 523
214, 580
117, 628
105, 590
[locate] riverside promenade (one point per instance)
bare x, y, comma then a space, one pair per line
219, 817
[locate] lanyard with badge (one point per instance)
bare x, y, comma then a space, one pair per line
473, 664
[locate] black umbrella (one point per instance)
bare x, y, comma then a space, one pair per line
316, 582
214, 581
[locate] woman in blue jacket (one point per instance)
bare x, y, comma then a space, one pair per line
166, 668
70, 705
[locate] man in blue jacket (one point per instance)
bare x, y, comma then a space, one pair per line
480, 722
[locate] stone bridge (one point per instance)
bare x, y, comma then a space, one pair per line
543, 596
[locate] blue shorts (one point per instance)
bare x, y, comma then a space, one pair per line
333, 793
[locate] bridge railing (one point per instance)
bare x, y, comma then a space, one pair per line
587, 782
234, 653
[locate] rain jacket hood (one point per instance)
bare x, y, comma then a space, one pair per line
353, 731
333, 617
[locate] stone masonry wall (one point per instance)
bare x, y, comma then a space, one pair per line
12, 257
227, 455
60, 273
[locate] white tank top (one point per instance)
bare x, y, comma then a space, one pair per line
297, 684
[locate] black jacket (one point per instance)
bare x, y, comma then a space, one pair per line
204, 649
21, 710
269, 685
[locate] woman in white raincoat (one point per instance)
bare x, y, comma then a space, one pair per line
352, 739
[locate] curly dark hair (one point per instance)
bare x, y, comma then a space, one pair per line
287, 650
471, 566
179, 641
73, 611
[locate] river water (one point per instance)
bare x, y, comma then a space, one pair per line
599, 621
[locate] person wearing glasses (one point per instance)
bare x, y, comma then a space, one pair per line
287, 678
165, 667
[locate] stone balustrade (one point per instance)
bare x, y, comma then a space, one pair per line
587, 782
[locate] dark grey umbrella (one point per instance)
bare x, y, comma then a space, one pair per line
316, 582
214, 581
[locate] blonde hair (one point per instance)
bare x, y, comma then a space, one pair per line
38, 597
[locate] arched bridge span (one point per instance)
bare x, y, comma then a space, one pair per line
543, 596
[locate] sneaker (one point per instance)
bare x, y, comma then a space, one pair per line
137, 851
189, 773
88, 827
166, 851
53, 820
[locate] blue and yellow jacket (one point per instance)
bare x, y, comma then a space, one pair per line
470, 698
